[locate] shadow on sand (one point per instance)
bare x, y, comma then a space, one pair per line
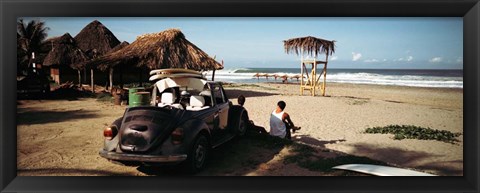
234, 93
237, 157
67, 171
41, 117
404, 158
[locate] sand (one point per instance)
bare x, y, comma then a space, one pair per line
63, 137
338, 121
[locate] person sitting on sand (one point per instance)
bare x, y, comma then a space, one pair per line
250, 124
280, 122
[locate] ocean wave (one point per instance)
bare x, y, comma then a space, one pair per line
234, 76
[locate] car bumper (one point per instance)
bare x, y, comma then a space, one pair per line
142, 158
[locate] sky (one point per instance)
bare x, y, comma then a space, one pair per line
365, 43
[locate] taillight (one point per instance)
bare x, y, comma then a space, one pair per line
110, 132
177, 136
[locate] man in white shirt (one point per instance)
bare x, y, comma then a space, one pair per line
280, 122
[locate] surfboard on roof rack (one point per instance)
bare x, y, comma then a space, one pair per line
178, 75
173, 71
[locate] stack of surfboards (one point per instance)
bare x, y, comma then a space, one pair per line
174, 73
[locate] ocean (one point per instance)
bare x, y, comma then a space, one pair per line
414, 78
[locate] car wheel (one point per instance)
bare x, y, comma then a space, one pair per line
198, 154
242, 125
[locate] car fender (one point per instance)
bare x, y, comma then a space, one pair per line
111, 145
234, 114
193, 128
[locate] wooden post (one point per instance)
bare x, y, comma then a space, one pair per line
325, 76
301, 66
213, 75
110, 78
301, 80
91, 80
79, 78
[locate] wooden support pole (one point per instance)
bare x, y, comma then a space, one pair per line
213, 75
79, 78
91, 80
325, 76
302, 65
110, 78
301, 80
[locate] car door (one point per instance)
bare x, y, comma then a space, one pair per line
222, 106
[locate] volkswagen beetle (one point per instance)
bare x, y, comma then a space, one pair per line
186, 118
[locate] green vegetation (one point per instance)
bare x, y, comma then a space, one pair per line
413, 132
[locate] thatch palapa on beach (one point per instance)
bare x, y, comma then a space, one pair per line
166, 49
96, 40
64, 52
311, 46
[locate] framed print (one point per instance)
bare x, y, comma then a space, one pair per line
230, 96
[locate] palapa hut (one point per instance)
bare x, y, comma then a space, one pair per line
311, 46
95, 40
166, 49
110, 72
64, 56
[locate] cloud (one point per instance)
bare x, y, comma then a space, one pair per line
436, 60
371, 60
356, 56
409, 58
334, 58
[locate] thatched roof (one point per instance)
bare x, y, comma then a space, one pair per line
65, 52
104, 67
166, 49
96, 36
310, 45
119, 46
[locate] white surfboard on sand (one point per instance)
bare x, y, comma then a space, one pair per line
174, 71
380, 170
178, 75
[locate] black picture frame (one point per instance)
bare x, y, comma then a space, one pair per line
468, 9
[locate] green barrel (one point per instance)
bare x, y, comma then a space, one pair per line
138, 97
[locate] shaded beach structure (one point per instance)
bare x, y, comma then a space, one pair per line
311, 46
166, 49
64, 55
284, 78
275, 76
295, 76
258, 75
96, 40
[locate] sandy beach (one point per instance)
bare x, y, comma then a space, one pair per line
62, 137
339, 120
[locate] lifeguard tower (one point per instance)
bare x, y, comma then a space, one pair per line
311, 46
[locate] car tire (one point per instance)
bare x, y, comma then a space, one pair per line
242, 125
198, 154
